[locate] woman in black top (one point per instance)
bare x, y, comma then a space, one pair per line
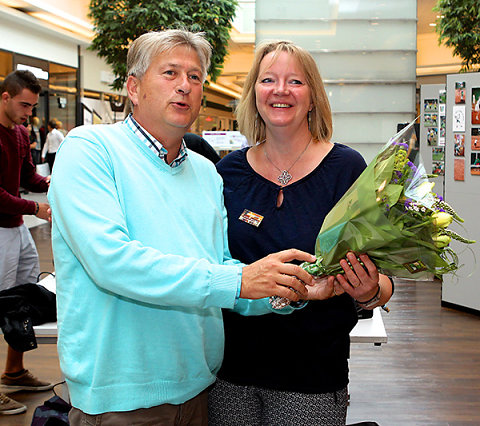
289, 369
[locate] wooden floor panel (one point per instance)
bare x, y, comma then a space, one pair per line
429, 371
427, 374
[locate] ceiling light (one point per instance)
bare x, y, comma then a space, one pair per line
224, 90
45, 6
62, 23
13, 3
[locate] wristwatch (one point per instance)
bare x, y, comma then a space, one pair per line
373, 301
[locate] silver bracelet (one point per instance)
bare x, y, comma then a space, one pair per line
373, 301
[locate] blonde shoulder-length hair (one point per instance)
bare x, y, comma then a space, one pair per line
252, 126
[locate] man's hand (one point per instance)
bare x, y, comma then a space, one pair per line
272, 276
44, 212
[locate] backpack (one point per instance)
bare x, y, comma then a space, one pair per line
53, 412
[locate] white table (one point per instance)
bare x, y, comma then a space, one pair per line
47, 333
369, 330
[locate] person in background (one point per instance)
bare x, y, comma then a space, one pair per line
53, 141
140, 246
18, 256
291, 176
60, 128
32, 137
36, 129
198, 144
36, 135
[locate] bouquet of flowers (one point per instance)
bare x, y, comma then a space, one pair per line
391, 214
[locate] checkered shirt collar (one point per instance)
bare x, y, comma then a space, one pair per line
154, 144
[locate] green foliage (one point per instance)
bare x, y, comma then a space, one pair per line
118, 22
459, 27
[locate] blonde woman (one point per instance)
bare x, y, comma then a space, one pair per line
293, 369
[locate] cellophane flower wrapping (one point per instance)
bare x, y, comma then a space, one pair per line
386, 214
391, 214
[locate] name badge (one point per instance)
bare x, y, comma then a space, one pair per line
251, 218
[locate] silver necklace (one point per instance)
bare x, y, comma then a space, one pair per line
284, 177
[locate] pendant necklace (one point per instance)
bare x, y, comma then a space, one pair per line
284, 177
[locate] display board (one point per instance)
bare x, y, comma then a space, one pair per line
225, 140
433, 132
462, 185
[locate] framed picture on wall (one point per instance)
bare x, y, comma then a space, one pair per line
459, 169
432, 136
438, 168
442, 96
443, 128
458, 117
475, 139
475, 105
438, 153
430, 120
475, 163
430, 105
459, 144
460, 92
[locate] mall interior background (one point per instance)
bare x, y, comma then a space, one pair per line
373, 56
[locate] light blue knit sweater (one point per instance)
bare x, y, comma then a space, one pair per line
143, 268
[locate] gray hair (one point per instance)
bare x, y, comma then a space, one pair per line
146, 47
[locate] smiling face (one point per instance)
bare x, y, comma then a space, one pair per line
17, 109
167, 98
282, 95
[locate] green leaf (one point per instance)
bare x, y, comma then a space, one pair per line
459, 29
393, 192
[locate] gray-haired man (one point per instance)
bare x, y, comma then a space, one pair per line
140, 246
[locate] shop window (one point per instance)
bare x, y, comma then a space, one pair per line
6, 64
62, 108
63, 78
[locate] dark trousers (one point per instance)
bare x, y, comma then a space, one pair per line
51, 159
36, 156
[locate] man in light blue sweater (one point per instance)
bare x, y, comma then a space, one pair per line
140, 246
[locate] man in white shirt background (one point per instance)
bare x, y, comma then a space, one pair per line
53, 141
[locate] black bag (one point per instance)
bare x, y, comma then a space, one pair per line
18, 332
21, 308
53, 412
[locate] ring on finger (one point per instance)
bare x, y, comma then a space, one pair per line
355, 286
334, 292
